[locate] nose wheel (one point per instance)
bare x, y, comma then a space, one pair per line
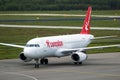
37, 63
42, 61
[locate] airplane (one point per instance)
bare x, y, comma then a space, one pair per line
74, 45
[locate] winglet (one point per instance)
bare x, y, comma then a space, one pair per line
86, 25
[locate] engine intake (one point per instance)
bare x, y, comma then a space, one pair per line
79, 56
24, 58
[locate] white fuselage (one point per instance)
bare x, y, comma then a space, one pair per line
48, 46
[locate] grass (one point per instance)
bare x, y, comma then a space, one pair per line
94, 23
94, 12
22, 35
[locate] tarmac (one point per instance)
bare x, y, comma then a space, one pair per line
102, 66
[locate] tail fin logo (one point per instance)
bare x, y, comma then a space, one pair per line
86, 25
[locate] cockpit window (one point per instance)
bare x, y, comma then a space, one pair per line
32, 45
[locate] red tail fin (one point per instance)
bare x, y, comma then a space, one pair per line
86, 25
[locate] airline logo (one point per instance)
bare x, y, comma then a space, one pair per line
86, 26
87, 21
54, 43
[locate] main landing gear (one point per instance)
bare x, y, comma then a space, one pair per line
42, 61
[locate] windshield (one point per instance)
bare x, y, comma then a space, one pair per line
32, 45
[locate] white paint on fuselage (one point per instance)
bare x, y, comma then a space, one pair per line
69, 42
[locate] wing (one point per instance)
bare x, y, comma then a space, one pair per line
70, 51
103, 37
98, 47
12, 45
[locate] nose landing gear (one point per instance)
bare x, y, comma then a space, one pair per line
42, 61
37, 63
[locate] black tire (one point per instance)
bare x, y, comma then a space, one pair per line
75, 62
46, 61
42, 61
80, 62
36, 65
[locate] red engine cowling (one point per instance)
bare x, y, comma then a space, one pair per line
24, 58
79, 56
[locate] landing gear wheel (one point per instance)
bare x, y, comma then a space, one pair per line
78, 63
75, 62
44, 61
36, 64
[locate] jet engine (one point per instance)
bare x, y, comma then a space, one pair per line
79, 56
24, 58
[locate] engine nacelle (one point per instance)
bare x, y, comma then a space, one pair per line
79, 56
24, 58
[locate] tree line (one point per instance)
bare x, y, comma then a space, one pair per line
54, 5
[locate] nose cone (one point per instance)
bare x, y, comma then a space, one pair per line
30, 52
33, 48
